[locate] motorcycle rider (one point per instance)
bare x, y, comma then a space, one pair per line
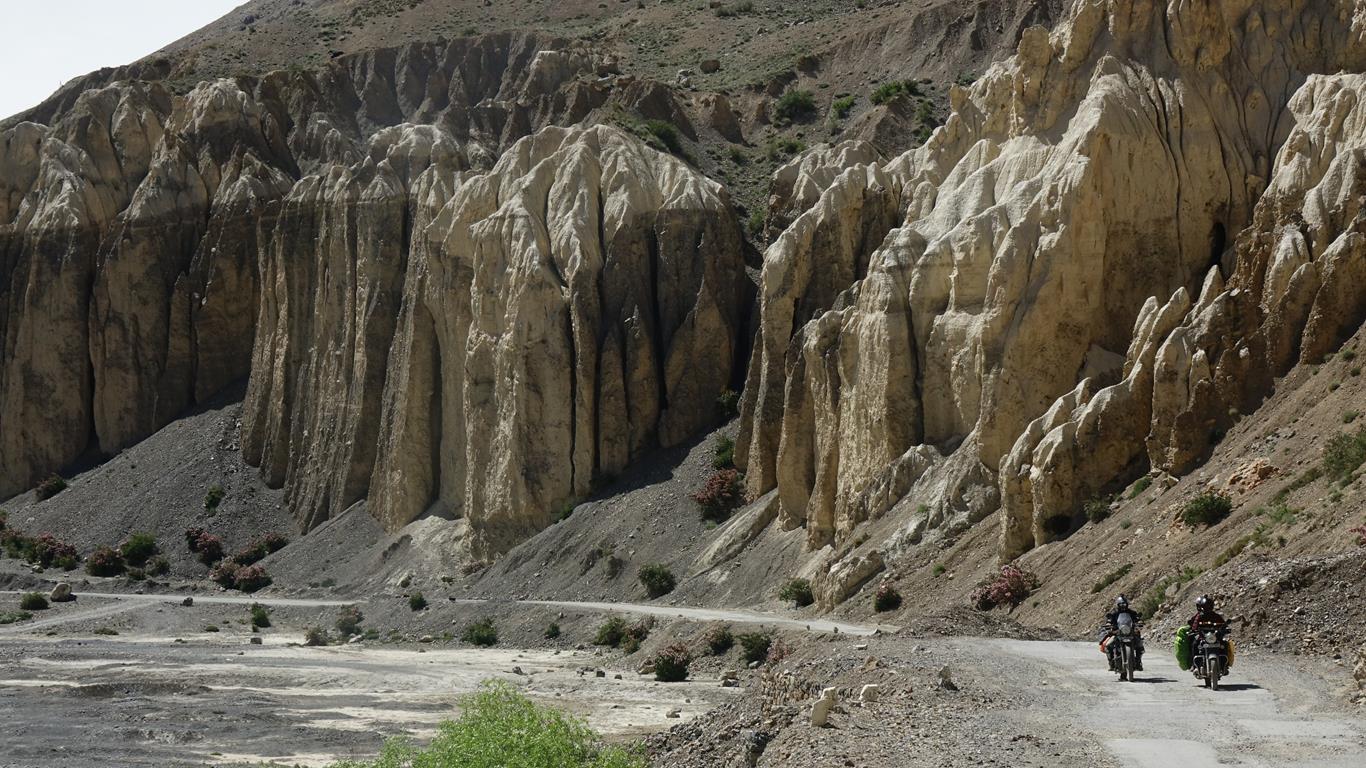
1206, 618
1111, 625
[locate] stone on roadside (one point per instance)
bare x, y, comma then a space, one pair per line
869, 693
820, 711
61, 593
187, 602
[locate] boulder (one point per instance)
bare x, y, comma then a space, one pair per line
61, 593
820, 710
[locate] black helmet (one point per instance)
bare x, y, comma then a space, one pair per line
1204, 603
1121, 603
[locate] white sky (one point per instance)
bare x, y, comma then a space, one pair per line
44, 43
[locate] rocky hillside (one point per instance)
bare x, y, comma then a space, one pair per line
484, 278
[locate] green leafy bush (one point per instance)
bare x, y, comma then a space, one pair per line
104, 561
841, 107
797, 591
611, 632
1209, 508
671, 664
665, 136
781, 146
260, 616
501, 728
33, 601
1097, 509
755, 646
1344, 454
482, 633
723, 453
417, 602
719, 640
728, 402
894, 90
552, 632
1140, 485
138, 549
348, 621
14, 617
214, 497
657, 580
794, 105
315, 636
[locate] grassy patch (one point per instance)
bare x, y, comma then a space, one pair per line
841, 107
482, 633
14, 617
1097, 509
793, 105
723, 453
1344, 454
1140, 485
1111, 577
894, 90
1151, 602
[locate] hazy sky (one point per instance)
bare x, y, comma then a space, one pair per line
47, 42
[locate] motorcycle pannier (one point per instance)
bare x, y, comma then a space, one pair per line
1182, 647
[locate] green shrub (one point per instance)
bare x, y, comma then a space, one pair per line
552, 632
1097, 509
1281, 513
159, 566
315, 636
723, 453
1209, 508
1111, 578
719, 640
841, 107
482, 633
894, 90
1151, 601
781, 146
417, 602
754, 647
14, 617
1350, 416
886, 598
53, 485
138, 549
657, 580
1344, 454
611, 632
501, 728
636, 634
348, 621
939, 570
1140, 485
797, 591
260, 616
104, 561
109, 631
33, 601
214, 497
671, 664
664, 136
615, 565
729, 11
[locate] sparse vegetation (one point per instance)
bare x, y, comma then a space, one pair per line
417, 602
719, 640
53, 485
734, 9
1305, 478
938, 570
482, 633
315, 636
225, 574
1008, 588
137, 549
782, 146
1344, 454
798, 592
894, 90
1207, 509
636, 634
657, 579
755, 646
260, 616
728, 402
348, 621
32, 601
104, 561
611, 632
1140, 485
159, 566
214, 497
664, 136
501, 728
886, 598
671, 664
1350, 416
552, 632
841, 107
1097, 509
1111, 577
722, 495
14, 617
1360, 533
211, 628
1151, 601
615, 565
723, 453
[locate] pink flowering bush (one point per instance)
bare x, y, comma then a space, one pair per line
1009, 588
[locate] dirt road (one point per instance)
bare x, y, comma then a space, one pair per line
1265, 715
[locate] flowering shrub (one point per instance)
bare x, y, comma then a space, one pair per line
259, 548
1360, 532
723, 494
47, 550
671, 665
636, 634
225, 574
209, 548
53, 485
192, 538
1010, 588
104, 561
252, 578
886, 598
779, 651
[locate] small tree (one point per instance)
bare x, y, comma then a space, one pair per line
104, 561
657, 580
349, 619
671, 664
798, 591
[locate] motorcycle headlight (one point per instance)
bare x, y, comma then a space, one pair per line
1126, 629
1211, 637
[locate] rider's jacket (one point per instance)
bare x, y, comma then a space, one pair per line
1208, 620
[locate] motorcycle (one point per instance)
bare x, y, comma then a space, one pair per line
1123, 647
1210, 656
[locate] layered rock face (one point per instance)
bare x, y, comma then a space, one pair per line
491, 343
995, 319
